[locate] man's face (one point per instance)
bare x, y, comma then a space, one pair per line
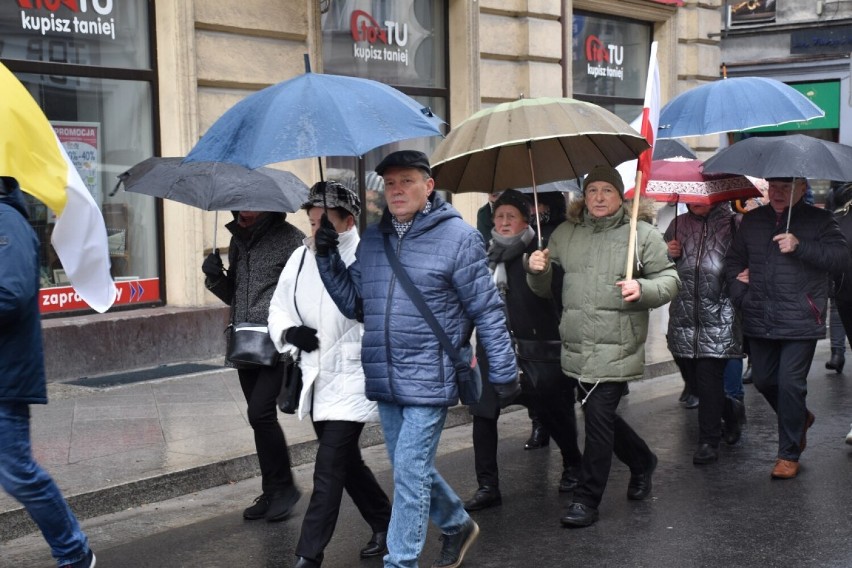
700, 210
602, 199
508, 221
406, 191
779, 193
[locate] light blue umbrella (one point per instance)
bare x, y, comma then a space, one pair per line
733, 105
311, 116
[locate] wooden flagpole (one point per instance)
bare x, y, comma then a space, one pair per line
634, 216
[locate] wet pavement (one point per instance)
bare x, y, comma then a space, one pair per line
725, 514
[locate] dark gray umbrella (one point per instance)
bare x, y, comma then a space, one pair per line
795, 156
216, 186
672, 148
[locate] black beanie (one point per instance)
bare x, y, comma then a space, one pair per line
517, 200
607, 174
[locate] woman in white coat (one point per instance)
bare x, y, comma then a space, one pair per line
302, 316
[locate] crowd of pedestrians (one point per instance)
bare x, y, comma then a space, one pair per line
555, 318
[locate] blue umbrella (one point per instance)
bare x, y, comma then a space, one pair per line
314, 115
733, 105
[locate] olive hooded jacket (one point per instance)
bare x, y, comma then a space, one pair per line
603, 337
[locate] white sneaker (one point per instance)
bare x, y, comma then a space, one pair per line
849, 437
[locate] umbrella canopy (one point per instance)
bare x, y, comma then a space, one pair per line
561, 186
681, 180
796, 156
530, 141
216, 186
671, 148
313, 115
733, 105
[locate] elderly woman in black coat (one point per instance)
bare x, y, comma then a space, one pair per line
260, 245
534, 322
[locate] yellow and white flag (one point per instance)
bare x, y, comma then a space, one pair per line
31, 153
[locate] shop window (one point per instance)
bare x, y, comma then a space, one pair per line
88, 65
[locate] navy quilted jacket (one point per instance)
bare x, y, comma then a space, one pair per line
787, 293
403, 361
21, 352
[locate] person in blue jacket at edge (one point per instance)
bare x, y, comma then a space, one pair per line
22, 383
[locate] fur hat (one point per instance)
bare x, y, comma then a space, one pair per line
333, 195
607, 174
517, 200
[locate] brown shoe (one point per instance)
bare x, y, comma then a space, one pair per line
809, 421
785, 469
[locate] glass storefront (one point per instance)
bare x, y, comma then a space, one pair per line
402, 44
88, 65
610, 62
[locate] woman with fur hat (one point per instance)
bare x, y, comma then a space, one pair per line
303, 317
534, 322
603, 327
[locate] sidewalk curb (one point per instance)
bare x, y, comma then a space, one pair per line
16, 523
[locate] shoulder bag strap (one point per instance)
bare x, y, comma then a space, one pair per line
416, 297
296, 284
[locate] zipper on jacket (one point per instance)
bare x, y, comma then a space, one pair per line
388, 304
696, 295
814, 309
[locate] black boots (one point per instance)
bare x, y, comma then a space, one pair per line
734, 417
705, 454
377, 545
836, 362
485, 497
539, 438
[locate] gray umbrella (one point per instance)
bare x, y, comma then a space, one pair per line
796, 156
216, 186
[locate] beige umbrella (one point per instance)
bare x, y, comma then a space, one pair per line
530, 141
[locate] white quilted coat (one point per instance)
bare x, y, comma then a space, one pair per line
332, 374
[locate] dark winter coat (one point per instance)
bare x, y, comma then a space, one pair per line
843, 278
787, 294
21, 350
403, 361
702, 318
255, 261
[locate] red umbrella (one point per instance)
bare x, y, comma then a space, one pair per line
680, 180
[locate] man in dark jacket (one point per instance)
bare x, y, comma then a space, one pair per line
22, 382
777, 269
407, 370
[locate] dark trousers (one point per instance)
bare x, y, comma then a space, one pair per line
707, 377
844, 308
552, 395
261, 387
780, 372
339, 466
606, 433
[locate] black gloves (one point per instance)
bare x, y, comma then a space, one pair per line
303, 337
212, 266
507, 392
325, 240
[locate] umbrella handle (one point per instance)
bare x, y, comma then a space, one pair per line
535, 196
215, 227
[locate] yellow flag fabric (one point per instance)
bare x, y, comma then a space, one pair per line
31, 153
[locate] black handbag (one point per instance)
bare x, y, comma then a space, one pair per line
468, 378
250, 346
291, 387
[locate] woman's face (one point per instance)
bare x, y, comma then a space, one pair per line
602, 199
508, 221
248, 218
341, 223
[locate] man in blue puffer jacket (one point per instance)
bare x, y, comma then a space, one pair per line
407, 371
22, 383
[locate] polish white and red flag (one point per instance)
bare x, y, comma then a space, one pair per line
649, 121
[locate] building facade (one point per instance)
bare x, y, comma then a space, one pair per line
123, 81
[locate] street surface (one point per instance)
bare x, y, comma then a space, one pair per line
729, 514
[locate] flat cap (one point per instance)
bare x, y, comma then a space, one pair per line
405, 159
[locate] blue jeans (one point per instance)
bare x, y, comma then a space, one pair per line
27, 482
420, 493
734, 379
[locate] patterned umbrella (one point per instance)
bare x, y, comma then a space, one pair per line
680, 180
